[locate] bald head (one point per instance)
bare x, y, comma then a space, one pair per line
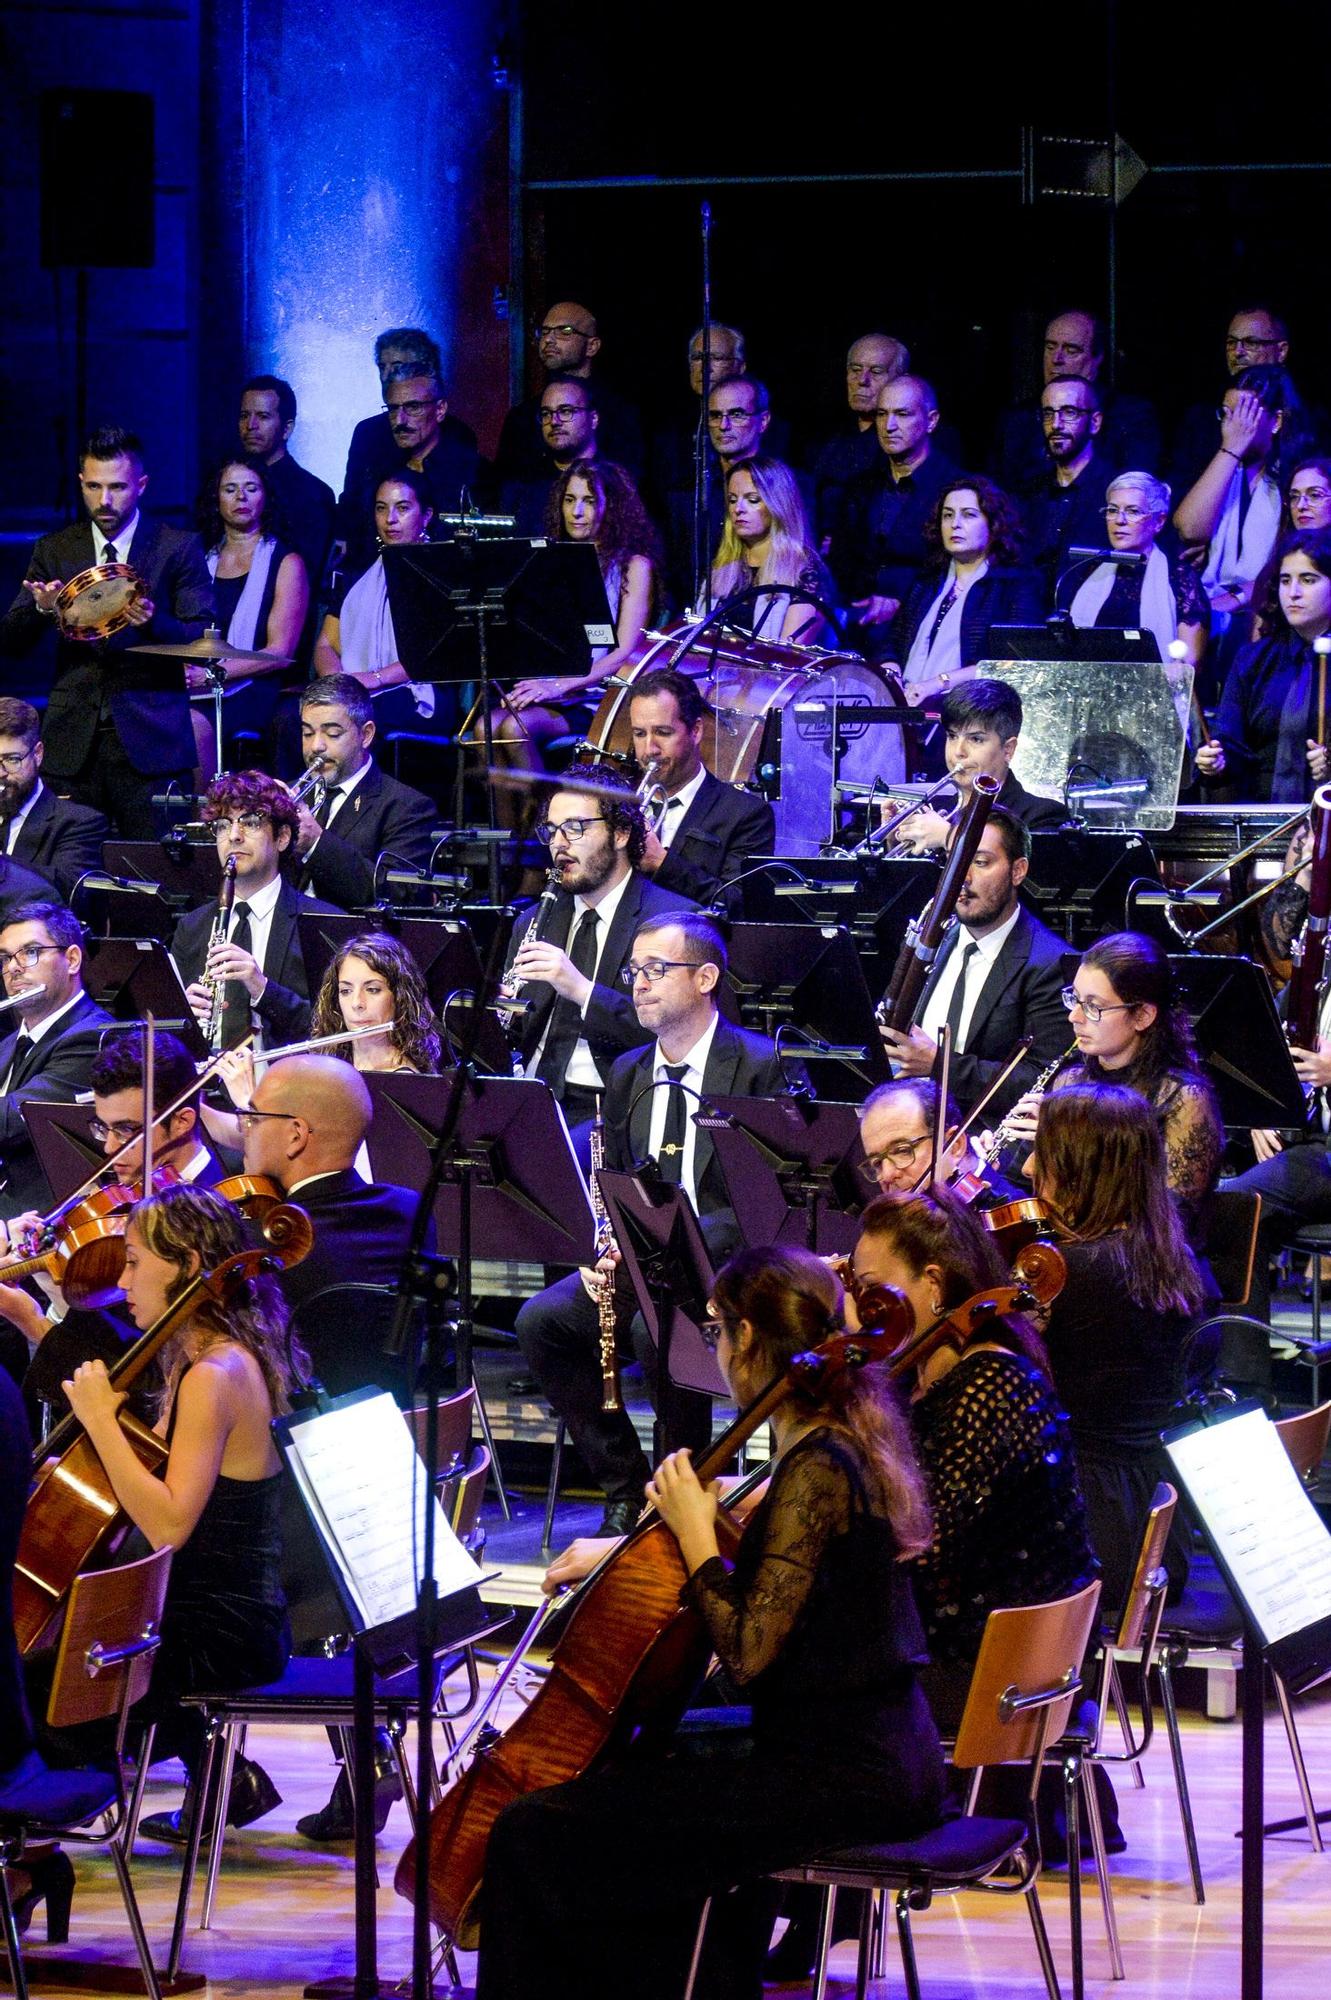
328, 1109
567, 340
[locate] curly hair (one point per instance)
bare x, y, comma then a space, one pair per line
625, 528
185, 1220
792, 1301
251, 791
208, 512
620, 815
933, 1227
415, 1031
1002, 514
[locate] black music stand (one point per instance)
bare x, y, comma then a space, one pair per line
469, 609
811, 977
66, 1151
792, 1169
667, 1264
135, 977
188, 872
1240, 1040
109, 908
510, 1186
445, 952
1060, 639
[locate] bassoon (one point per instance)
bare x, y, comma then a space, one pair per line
925, 934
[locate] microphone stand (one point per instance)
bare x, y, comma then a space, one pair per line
702, 523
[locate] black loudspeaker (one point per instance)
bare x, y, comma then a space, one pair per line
97, 179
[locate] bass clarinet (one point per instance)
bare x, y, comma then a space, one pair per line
604, 1280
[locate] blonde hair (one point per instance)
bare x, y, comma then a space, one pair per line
790, 553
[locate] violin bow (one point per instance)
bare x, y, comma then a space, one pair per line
149, 1093
963, 1130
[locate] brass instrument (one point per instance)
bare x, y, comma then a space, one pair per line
311, 784
217, 936
653, 798
604, 1280
1199, 894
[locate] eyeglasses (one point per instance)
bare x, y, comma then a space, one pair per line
27, 956
1234, 341
654, 970
1113, 513
571, 829
563, 413
1297, 494
711, 1329
1050, 418
1093, 1009
412, 408
122, 1130
245, 1119
901, 1153
564, 332
14, 760
725, 420
247, 822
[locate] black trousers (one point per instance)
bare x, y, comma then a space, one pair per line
1295, 1186
559, 1334
107, 780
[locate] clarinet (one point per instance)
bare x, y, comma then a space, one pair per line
605, 1282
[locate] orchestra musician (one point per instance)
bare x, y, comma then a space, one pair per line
677, 963
997, 977
568, 960
48, 1049
364, 812
982, 724
897, 1130
226, 1376
817, 1627
710, 832
53, 837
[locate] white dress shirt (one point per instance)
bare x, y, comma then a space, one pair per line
262, 904
345, 787
981, 965
678, 805
120, 542
582, 1070
690, 1082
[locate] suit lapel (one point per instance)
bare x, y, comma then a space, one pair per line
1014, 954
695, 816
620, 934
280, 932
718, 1080
640, 1118
27, 843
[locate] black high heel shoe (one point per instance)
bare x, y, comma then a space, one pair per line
50, 1880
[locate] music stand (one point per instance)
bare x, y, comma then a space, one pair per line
135, 977
541, 606
106, 908
1060, 639
445, 953
188, 872
792, 1169
812, 978
1240, 1040
511, 1186
66, 1150
667, 1264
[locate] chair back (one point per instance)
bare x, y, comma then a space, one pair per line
455, 1420
344, 1329
1304, 1438
1026, 1678
1230, 1243
1146, 1594
463, 1496
111, 1634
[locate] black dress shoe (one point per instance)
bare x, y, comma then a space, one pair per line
252, 1794
336, 1820
619, 1517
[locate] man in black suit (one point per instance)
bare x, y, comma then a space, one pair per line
373, 455
363, 813
1075, 349
420, 436
710, 832
568, 956
570, 418
1065, 502
54, 838
997, 977
259, 961
49, 1054
982, 721
114, 732
567, 343
308, 506
650, 1098
881, 548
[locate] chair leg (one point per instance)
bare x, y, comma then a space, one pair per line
552, 1490
189, 1867
1072, 1818
1300, 1768
696, 1958
218, 1826
483, 1419
1166, 1672
18, 1978
131, 1902
134, 1806
1096, 1825
1119, 1700
826, 1916
905, 1939
397, 1743
879, 1900
864, 1959
1042, 1944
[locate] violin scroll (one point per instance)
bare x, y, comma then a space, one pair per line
1042, 1271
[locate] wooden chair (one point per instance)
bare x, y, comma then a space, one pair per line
1304, 1437
1026, 1680
112, 1631
456, 1414
1230, 1246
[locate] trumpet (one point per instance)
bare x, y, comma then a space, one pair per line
217, 936
653, 798
311, 784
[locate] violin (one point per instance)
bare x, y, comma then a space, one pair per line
626, 1660
73, 1514
255, 1195
80, 1246
1019, 1223
1039, 1273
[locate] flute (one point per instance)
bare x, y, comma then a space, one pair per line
323, 1041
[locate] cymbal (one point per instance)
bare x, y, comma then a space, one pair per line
212, 646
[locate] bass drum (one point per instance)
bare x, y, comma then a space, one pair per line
769, 722
97, 601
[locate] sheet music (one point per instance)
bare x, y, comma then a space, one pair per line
1277, 1548
364, 1482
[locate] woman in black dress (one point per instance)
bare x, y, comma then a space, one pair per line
1266, 736
595, 1887
261, 594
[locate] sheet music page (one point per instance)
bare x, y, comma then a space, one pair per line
1277, 1548
362, 1467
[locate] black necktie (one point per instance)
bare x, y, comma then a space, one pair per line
23, 1048
236, 1011
565, 1029
671, 1161
109, 553
327, 804
957, 1001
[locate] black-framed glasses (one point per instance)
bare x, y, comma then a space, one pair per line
14, 760
572, 829
563, 413
1093, 1009
122, 1130
411, 408
27, 956
711, 1329
246, 1118
654, 970
901, 1153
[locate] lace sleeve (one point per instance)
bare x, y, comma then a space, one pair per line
1193, 1143
751, 1612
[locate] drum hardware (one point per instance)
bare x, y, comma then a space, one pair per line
214, 654
98, 602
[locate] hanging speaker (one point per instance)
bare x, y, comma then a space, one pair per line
97, 180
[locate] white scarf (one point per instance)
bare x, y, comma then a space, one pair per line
935, 653
368, 641
1157, 610
1235, 557
245, 619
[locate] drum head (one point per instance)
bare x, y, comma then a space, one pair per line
805, 808
96, 602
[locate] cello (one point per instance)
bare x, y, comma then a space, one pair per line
73, 1514
630, 1654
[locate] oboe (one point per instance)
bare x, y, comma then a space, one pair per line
605, 1280
1002, 1134
217, 987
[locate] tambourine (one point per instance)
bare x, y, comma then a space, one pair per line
98, 601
